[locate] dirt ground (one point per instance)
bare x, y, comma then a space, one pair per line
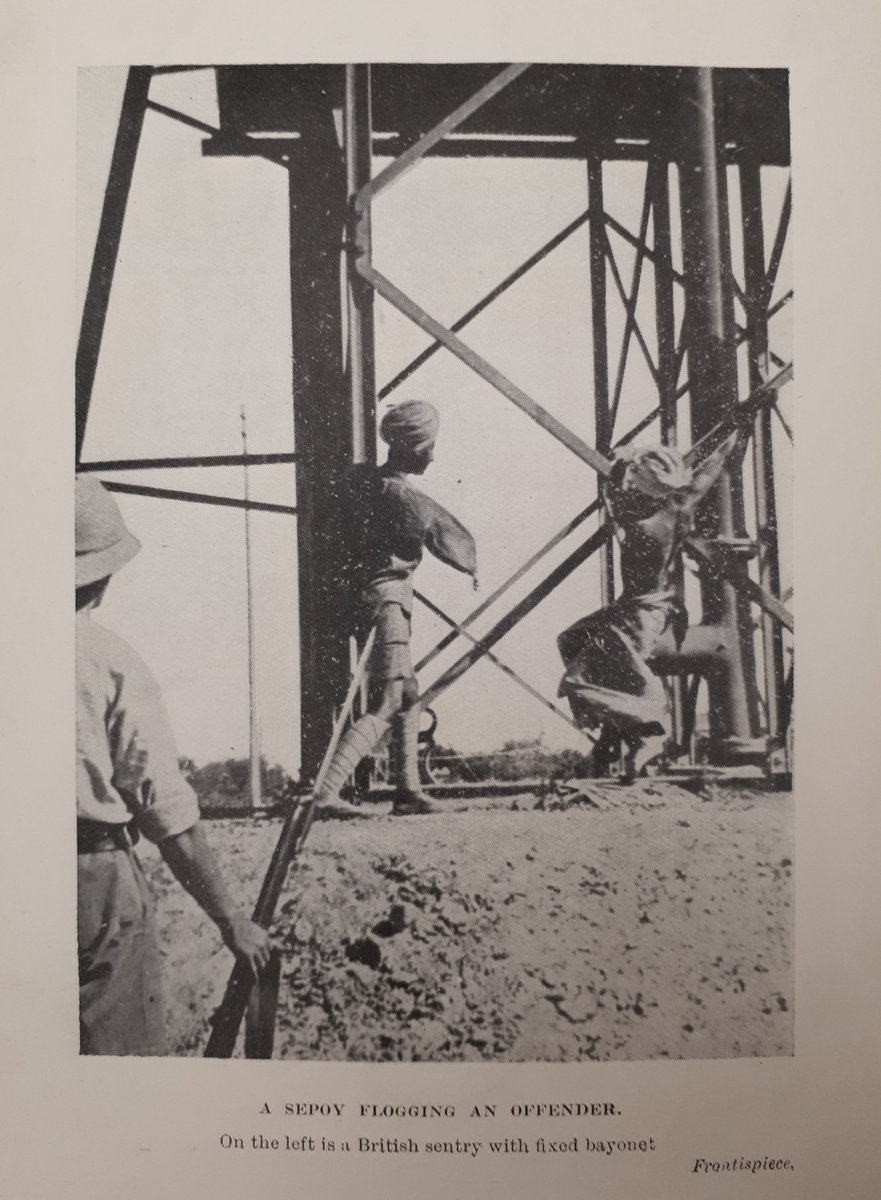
627, 923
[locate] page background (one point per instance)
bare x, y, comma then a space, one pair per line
103, 1128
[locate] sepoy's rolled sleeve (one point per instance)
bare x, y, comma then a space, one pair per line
145, 759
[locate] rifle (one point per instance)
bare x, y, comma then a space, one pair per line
242, 991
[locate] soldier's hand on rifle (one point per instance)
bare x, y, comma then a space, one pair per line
193, 865
248, 942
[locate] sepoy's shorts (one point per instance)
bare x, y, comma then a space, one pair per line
390, 658
120, 1002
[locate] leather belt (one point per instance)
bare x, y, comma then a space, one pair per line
93, 836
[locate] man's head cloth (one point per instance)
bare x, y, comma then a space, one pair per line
103, 543
656, 471
411, 426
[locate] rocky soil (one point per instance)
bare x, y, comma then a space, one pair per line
618, 923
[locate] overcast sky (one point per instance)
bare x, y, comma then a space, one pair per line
199, 324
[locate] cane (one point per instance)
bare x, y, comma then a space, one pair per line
241, 987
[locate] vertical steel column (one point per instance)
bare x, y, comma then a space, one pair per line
322, 409
713, 375
360, 345
597, 218
665, 315
122, 166
763, 462
665, 325
361, 367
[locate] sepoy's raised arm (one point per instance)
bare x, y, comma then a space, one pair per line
447, 538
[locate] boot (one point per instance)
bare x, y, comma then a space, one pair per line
408, 799
357, 742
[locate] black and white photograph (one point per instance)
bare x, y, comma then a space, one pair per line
434, 591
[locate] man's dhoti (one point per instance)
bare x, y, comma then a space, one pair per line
608, 680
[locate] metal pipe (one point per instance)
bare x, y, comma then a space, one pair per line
768, 564
361, 364
713, 381
122, 166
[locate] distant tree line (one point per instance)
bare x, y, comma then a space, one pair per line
513, 761
225, 784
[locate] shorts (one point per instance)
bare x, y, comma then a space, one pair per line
390, 658
120, 1000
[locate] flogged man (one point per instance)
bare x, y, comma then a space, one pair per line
128, 784
388, 524
651, 499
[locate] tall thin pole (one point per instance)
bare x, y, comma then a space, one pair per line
254, 780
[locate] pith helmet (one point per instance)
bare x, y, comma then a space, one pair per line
103, 543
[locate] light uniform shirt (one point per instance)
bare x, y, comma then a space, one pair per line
126, 755
387, 523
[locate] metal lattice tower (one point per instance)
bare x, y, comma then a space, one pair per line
696, 122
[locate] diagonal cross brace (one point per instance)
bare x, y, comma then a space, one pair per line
420, 148
404, 304
136, 489
477, 309
502, 666
630, 324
